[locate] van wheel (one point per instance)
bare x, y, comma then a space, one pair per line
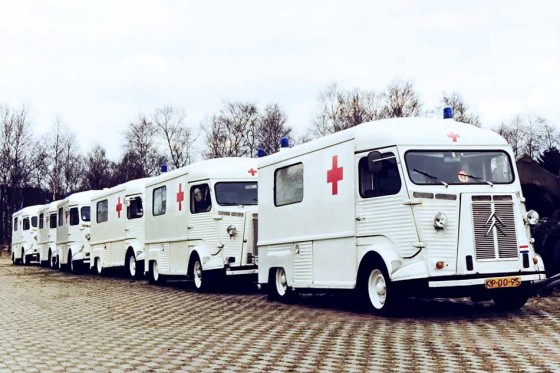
379, 292
51, 260
24, 260
98, 266
278, 288
154, 277
14, 261
130, 263
510, 299
71, 265
199, 283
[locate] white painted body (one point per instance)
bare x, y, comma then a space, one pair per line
322, 240
24, 235
47, 232
73, 240
124, 231
175, 237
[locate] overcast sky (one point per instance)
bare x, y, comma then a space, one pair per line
98, 64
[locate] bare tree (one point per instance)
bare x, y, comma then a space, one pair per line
344, 109
460, 110
60, 160
513, 132
98, 170
141, 146
400, 100
528, 135
178, 137
271, 128
233, 133
16, 163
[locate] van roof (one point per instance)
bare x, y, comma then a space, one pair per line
398, 131
223, 168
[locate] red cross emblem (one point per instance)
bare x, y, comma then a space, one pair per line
119, 207
334, 175
453, 136
180, 196
252, 171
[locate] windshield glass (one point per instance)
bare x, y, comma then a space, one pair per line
463, 167
236, 193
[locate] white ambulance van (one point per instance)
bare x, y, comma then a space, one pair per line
73, 231
24, 235
397, 207
201, 220
47, 234
117, 228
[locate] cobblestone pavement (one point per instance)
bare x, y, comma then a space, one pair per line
58, 322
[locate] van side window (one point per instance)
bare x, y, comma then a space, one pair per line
288, 185
159, 201
134, 209
26, 225
60, 217
200, 198
41, 221
52, 220
102, 211
384, 182
74, 216
34, 221
15, 224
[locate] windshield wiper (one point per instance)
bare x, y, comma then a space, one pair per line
477, 178
431, 177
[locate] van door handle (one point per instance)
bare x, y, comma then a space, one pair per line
360, 218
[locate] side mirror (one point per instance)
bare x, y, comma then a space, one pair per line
374, 162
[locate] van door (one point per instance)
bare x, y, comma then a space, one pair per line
201, 226
383, 214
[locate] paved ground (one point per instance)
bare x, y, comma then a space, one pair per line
57, 322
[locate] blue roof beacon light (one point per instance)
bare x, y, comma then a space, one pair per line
284, 143
447, 113
163, 168
261, 153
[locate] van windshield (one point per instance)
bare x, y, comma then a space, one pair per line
459, 167
236, 193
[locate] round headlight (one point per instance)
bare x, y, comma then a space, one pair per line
532, 217
231, 230
440, 220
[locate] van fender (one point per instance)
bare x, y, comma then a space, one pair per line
275, 257
207, 260
398, 268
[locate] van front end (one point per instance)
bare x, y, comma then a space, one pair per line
237, 245
473, 229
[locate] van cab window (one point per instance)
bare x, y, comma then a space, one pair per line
60, 217
26, 224
236, 193
463, 167
85, 213
52, 220
381, 180
200, 198
41, 221
74, 216
34, 221
134, 208
15, 224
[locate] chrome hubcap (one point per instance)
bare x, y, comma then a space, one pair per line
377, 289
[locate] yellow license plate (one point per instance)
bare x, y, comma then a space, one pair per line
502, 282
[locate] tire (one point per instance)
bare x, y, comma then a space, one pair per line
377, 289
511, 299
278, 289
198, 276
24, 259
98, 266
14, 261
154, 277
71, 264
51, 260
130, 264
